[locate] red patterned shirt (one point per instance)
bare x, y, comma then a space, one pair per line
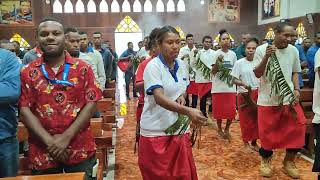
57, 106
139, 77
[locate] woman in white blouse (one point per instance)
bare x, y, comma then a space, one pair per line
163, 156
247, 93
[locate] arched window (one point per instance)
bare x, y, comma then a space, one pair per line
103, 7
17, 37
79, 7
126, 6
181, 33
91, 6
57, 7
68, 7
147, 6
136, 6
170, 6
128, 25
270, 34
181, 7
115, 6
160, 6
301, 33
216, 40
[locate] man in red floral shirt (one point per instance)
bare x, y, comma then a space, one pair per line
58, 98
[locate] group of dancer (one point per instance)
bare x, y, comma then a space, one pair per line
263, 87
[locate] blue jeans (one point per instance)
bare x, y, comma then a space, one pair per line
9, 157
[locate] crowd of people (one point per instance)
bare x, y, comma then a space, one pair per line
54, 87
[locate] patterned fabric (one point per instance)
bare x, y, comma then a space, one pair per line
57, 106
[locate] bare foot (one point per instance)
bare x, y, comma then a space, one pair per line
255, 147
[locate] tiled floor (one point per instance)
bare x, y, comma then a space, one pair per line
216, 159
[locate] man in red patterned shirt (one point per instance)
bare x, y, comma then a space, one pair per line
58, 98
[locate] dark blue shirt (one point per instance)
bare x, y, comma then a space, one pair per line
107, 61
310, 58
9, 93
302, 58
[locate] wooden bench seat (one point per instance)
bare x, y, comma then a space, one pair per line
111, 84
105, 104
109, 93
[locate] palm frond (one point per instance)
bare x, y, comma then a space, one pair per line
206, 71
224, 74
279, 85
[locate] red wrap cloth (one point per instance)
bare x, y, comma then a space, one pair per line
192, 88
248, 119
224, 106
278, 129
166, 158
203, 88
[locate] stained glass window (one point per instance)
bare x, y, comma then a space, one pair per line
79, 7
126, 6
301, 32
170, 6
17, 37
270, 34
68, 7
147, 6
57, 7
92, 6
128, 25
136, 6
103, 7
181, 7
115, 6
181, 33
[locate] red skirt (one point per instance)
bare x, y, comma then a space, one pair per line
192, 88
203, 88
166, 158
279, 129
224, 106
248, 119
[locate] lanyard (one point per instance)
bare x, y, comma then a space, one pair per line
64, 80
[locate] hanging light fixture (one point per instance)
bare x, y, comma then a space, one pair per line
202, 2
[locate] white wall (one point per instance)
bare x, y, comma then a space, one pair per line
291, 9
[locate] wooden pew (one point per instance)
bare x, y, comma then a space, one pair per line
103, 138
306, 99
111, 84
109, 93
64, 176
105, 104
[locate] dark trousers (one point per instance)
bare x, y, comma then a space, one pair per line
128, 77
316, 164
9, 157
194, 101
268, 153
84, 166
203, 104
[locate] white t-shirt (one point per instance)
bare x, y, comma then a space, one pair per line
316, 90
229, 59
289, 63
206, 56
155, 119
243, 70
142, 53
184, 51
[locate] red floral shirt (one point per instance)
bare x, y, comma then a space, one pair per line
57, 106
